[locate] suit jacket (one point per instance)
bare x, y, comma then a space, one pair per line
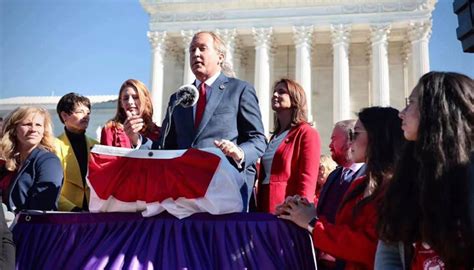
353, 238
72, 192
333, 177
294, 169
37, 183
231, 113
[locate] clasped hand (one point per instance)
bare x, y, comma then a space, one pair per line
297, 209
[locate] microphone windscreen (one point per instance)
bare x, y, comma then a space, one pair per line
188, 95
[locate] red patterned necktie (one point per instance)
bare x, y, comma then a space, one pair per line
201, 105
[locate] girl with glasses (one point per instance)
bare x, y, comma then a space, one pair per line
352, 239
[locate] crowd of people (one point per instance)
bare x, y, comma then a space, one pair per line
396, 193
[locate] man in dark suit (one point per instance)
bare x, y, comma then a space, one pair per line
226, 115
338, 181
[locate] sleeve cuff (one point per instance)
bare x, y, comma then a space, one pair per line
241, 162
311, 224
139, 142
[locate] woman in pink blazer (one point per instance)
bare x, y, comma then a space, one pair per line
290, 163
134, 99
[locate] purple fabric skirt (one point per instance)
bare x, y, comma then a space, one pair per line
130, 241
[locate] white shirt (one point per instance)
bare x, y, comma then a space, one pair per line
353, 169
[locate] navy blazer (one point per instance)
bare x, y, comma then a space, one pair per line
231, 113
37, 183
335, 175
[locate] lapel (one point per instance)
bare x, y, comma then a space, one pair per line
69, 158
68, 152
187, 119
20, 171
90, 143
215, 95
289, 138
335, 175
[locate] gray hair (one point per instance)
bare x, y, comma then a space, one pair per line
346, 125
220, 46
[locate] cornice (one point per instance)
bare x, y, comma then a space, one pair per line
212, 10
193, 7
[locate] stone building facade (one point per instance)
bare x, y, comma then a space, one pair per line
347, 54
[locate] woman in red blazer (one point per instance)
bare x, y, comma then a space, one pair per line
290, 163
134, 99
352, 239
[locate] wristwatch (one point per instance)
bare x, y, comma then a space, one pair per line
311, 224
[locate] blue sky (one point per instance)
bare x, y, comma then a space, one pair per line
91, 46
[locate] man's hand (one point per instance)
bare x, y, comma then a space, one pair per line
230, 149
132, 126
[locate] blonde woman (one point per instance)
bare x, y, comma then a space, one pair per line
26, 150
134, 99
326, 166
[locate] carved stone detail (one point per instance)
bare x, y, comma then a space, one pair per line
157, 40
406, 52
419, 31
303, 35
187, 36
379, 33
262, 37
340, 35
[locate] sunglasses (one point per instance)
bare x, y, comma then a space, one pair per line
354, 134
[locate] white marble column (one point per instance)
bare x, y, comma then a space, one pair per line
340, 35
228, 36
380, 72
303, 37
237, 59
262, 38
157, 41
188, 76
419, 35
406, 60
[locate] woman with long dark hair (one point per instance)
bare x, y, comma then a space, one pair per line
352, 239
426, 206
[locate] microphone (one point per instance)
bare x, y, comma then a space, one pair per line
187, 95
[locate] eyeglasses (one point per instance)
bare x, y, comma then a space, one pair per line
83, 112
354, 134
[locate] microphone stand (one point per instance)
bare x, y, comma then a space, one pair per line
168, 124
186, 99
